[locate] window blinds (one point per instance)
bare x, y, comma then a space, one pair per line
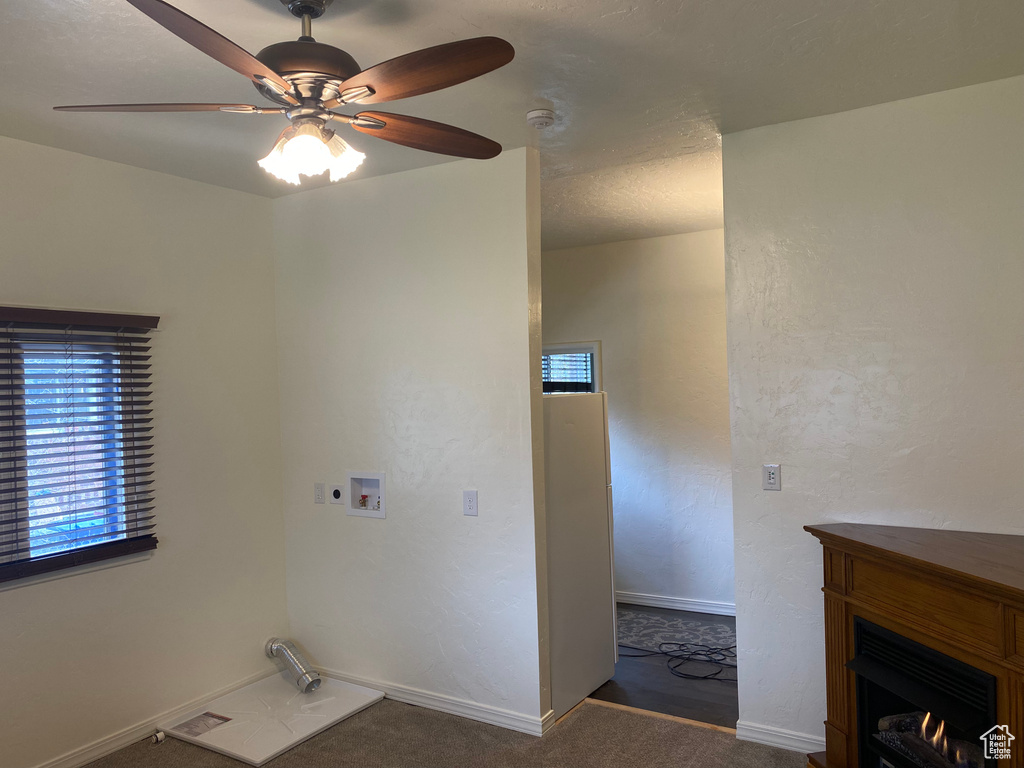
568, 372
76, 450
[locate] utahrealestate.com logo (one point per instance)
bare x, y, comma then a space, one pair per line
997, 742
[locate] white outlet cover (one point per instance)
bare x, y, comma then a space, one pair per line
336, 494
470, 504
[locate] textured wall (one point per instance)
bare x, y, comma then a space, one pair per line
876, 350
91, 654
403, 304
658, 308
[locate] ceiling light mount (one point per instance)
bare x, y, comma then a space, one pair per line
312, 8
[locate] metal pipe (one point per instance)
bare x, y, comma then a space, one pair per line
306, 678
307, 25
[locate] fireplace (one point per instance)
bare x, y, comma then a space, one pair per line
917, 708
924, 648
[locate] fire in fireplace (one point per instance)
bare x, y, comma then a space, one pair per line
916, 707
925, 740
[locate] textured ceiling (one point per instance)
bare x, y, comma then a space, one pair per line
642, 90
647, 199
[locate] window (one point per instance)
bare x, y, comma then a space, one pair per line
572, 367
76, 456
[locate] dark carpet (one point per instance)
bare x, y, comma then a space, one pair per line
394, 735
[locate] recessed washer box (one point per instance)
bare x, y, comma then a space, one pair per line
366, 494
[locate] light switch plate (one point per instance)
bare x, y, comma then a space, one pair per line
319, 493
771, 477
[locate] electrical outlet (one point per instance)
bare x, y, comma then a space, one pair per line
771, 477
469, 503
336, 494
319, 494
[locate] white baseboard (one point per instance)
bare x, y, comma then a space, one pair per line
547, 721
484, 713
677, 603
779, 737
109, 744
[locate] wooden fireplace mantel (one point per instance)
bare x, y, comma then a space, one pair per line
957, 592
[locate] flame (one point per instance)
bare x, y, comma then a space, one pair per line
938, 740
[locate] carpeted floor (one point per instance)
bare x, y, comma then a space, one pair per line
394, 735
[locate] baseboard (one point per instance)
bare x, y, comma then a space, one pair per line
677, 603
109, 744
484, 713
779, 737
547, 721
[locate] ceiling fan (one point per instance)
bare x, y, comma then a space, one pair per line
307, 80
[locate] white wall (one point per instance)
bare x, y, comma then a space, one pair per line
403, 327
876, 350
87, 656
658, 308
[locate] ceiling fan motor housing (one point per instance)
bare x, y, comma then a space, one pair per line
315, 70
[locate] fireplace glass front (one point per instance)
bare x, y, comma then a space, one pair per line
916, 707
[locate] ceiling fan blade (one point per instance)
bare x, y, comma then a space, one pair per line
430, 69
159, 108
212, 43
427, 135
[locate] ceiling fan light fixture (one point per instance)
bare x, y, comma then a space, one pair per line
306, 149
344, 159
306, 80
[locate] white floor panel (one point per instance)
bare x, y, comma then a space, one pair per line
260, 721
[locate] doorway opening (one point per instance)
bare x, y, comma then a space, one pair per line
658, 308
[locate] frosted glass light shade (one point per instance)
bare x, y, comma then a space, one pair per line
305, 151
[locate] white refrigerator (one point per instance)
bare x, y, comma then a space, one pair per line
581, 581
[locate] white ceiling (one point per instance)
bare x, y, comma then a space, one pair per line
642, 90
